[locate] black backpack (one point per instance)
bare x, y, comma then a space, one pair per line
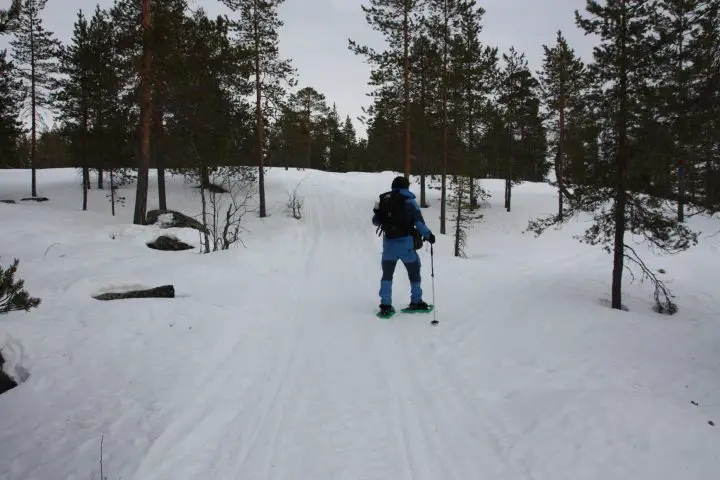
393, 215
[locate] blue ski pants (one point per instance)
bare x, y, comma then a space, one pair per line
399, 249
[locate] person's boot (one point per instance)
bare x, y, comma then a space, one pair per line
419, 306
386, 310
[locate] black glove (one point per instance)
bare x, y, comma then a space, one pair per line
431, 239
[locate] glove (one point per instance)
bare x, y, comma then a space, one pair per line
431, 239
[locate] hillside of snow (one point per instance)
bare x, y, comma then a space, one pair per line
270, 363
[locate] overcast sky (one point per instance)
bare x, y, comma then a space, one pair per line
316, 32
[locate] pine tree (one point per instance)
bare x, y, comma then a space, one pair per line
705, 46
623, 71
564, 83
257, 30
35, 55
11, 129
443, 21
474, 72
9, 16
72, 95
426, 65
336, 145
145, 71
13, 296
350, 145
397, 20
463, 212
682, 65
520, 107
206, 128
168, 32
119, 177
311, 109
385, 144
109, 118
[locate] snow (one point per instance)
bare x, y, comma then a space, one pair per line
270, 363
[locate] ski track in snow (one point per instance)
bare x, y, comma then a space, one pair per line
286, 373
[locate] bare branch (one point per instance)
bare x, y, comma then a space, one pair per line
662, 295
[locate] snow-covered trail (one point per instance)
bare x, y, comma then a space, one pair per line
327, 390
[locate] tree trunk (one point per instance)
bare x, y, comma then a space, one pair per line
443, 193
145, 119
406, 83
471, 143
423, 181
423, 113
621, 165
112, 192
458, 219
259, 119
84, 151
100, 179
508, 179
681, 192
160, 154
559, 160
309, 138
33, 95
204, 175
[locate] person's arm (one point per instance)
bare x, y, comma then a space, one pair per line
375, 219
419, 221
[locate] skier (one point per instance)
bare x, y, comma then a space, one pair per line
399, 217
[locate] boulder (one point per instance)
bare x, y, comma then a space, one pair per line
169, 244
214, 188
171, 218
165, 291
6, 382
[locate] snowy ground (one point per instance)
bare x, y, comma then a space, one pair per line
270, 363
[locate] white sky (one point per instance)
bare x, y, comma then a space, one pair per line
316, 35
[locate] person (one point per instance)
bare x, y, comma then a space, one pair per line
398, 215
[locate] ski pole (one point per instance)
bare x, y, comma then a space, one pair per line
432, 276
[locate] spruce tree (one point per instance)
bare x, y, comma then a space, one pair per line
11, 129
257, 30
35, 55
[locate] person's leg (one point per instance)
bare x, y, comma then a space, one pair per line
388, 269
411, 260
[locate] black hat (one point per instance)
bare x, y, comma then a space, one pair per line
400, 182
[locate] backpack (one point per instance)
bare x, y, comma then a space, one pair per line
391, 211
